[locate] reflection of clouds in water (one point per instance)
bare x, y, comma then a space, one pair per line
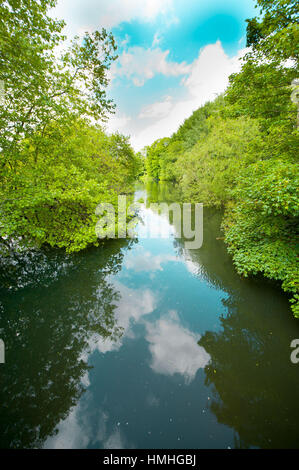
174, 348
74, 432
85, 379
70, 435
114, 441
77, 432
133, 304
152, 400
193, 267
154, 225
147, 262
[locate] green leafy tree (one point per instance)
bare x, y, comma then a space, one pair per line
195, 127
275, 32
53, 199
262, 227
208, 171
41, 87
154, 156
56, 164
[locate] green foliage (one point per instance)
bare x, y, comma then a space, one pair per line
168, 159
262, 226
263, 88
263, 91
42, 85
208, 171
195, 127
276, 32
163, 153
55, 166
52, 199
154, 155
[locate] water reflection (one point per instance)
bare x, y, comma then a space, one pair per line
254, 382
256, 386
237, 376
132, 305
47, 330
174, 348
78, 430
146, 261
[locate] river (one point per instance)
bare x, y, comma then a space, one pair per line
146, 344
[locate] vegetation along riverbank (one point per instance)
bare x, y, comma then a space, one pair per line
239, 152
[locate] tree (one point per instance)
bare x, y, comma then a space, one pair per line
275, 33
208, 172
262, 227
39, 87
154, 155
56, 163
53, 199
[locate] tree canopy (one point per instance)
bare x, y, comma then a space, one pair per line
57, 163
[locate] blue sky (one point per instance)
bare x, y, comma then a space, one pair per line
174, 55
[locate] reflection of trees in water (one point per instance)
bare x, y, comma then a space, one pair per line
47, 329
161, 192
255, 385
32, 267
212, 259
221, 274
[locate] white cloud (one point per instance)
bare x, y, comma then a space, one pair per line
117, 122
145, 261
139, 64
70, 435
95, 14
78, 430
210, 71
157, 110
131, 307
114, 441
157, 39
174, 349
125, 41
153, 225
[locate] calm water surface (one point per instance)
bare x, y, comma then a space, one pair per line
144, 344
